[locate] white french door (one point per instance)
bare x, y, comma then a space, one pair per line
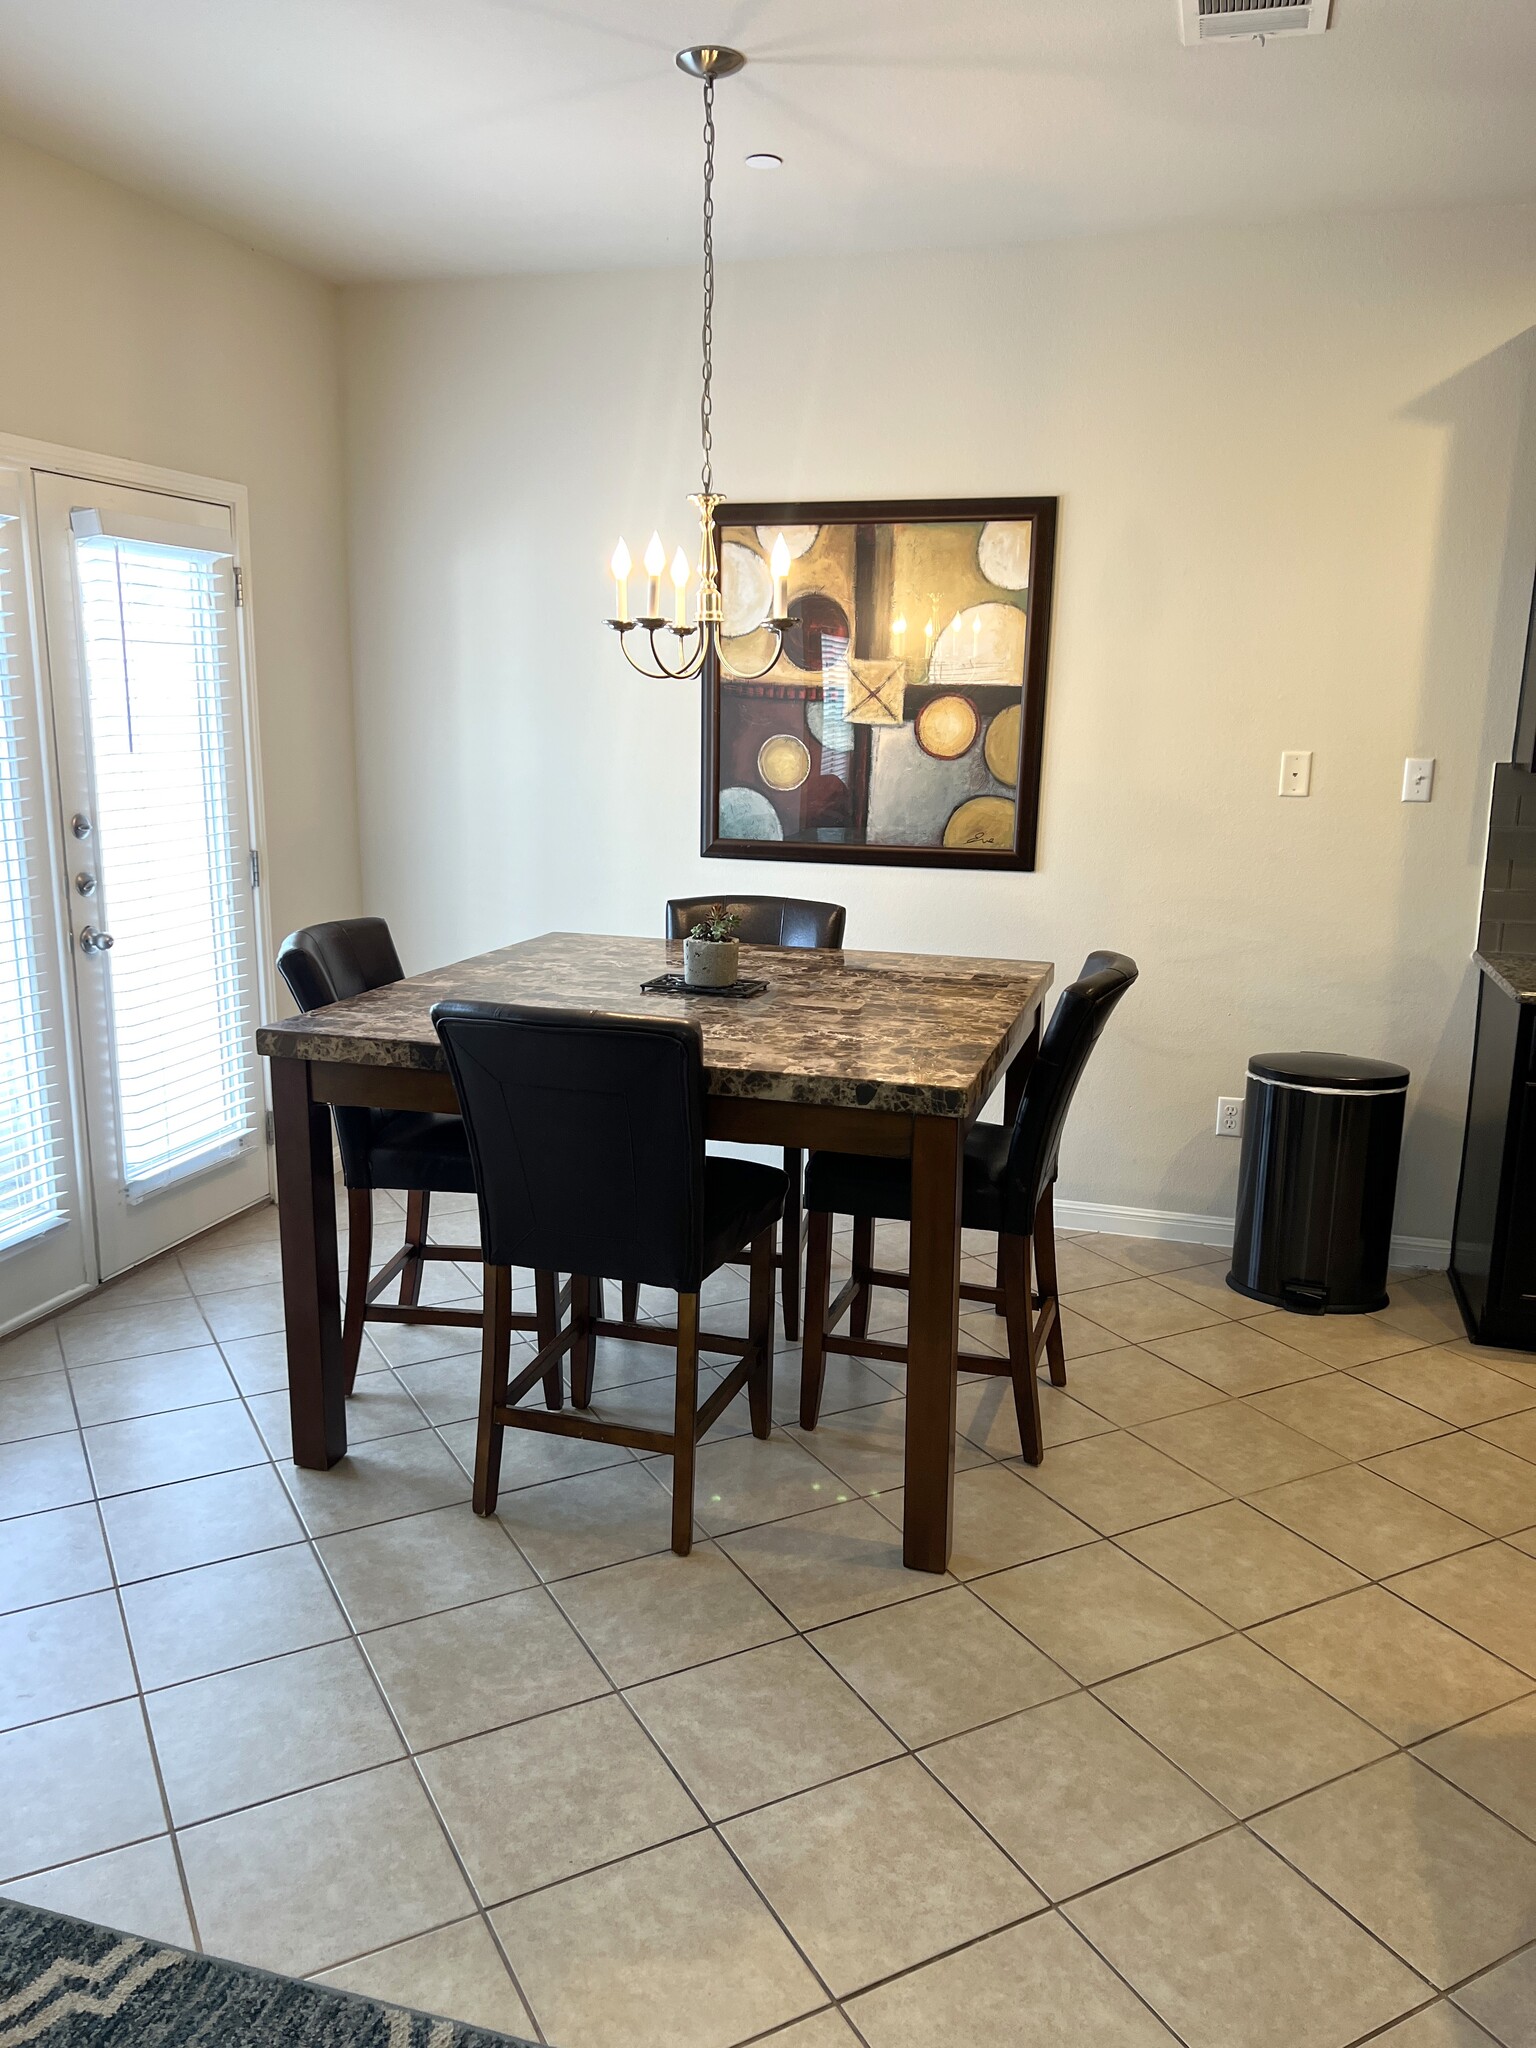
46, 1247
153, 879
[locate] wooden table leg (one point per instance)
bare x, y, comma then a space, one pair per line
306, 1193
1013, 1095
933, 1333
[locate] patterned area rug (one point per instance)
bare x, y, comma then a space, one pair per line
70, 1984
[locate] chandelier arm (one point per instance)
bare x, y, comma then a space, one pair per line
651, 675
692, 662
662, 672
755, 675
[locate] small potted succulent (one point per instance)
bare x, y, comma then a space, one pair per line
711, 951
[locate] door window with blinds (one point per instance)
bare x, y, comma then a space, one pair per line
162, 719
43, 1248
155, 857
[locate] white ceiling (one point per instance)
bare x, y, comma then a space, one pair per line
395, 138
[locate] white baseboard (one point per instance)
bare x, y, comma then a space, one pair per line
1175, 1224
1179, 1226
1434, 1252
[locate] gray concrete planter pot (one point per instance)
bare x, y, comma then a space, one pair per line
711, 963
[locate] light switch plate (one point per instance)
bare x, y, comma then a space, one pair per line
1418, 780
1296, 773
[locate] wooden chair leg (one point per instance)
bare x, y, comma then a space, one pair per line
418, 1206
584, 1350
1014, 1252
546, 1310
863, 1260
818, 1284
1045, 1273
630, 1304
495, 1351
760, 1334
359, 1266
793, 1231
684, 1422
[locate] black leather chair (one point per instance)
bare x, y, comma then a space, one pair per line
1008, 1177
409, 1151
772, 921
765, 920
586, 1135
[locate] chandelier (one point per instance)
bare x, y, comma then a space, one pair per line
694, 645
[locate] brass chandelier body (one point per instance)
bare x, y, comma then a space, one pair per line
692, 646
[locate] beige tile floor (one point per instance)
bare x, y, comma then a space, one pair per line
1221, 1728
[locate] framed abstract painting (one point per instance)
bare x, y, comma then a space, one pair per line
902, 722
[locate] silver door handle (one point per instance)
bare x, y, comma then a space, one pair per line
93, 941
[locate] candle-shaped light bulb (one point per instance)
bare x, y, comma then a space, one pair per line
655, 562
899, 635
778, 561
680, 575
928, 638
954, 627
620, 565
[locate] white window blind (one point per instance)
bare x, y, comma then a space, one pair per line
31, 1115
163, 711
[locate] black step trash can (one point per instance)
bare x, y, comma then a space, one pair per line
1321, 1137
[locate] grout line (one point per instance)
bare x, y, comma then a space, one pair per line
709, 1824
1402, 2019
426, 1790
1339, 1907
144, 1717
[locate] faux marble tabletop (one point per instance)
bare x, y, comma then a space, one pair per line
919, 1033
1514, 972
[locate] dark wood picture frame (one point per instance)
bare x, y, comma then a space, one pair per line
1041, 514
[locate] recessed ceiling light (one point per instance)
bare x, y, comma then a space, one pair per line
764, 160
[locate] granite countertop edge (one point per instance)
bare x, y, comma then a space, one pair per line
291, 1041
1515, 973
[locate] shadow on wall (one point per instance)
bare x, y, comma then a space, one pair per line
1190, 1166
1473, 648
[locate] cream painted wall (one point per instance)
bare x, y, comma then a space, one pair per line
1296, 469
132, 331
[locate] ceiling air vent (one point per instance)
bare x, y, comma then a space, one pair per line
1223, 21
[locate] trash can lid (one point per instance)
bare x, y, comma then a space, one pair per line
1334, 1071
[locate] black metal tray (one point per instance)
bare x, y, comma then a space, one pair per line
674, 985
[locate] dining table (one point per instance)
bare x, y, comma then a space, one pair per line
890, 1054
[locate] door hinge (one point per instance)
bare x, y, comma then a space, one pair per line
239, 585
255, 869
270, 1127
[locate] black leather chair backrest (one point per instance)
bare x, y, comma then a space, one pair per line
765, 920
1078, 1019
326, 963
587, 1137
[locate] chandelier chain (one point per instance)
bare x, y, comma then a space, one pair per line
698, 649
706, 394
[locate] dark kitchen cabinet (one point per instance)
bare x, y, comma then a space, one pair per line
1493, 1243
